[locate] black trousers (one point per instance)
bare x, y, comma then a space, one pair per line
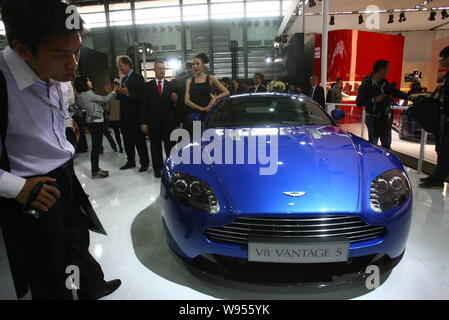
108, 136
82, 142
96, 130
115, 125
378, 129
442, 149
133, 139
157, 137
42, 249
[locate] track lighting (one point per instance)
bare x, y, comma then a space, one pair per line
312, 3
360, 19
332, 21
444, 14
391, 18
402, 17
432, 16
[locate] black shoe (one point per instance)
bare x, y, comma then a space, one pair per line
121, 150
432, 185
143, 169
157, 175
428, 179
128, 166
108, 288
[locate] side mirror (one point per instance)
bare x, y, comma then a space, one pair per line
338, 114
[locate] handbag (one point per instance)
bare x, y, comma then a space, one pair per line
426, 111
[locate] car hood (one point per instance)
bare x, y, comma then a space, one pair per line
320, 162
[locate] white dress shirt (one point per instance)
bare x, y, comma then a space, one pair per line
37, 111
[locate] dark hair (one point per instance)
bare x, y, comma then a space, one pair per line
260, 75
189, 65
380, 64
125, 60
226, 80
445, 52
339, 79
34, 23
203, 57
81, 84
159, 61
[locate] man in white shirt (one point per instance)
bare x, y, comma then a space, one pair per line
43, 226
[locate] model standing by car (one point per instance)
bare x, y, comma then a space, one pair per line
199, 96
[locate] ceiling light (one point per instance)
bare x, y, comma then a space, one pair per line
402, 17
391, 18
312, 3
269, 59
432, 16
444, 14
360, 19
332, 21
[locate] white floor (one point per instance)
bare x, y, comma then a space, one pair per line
136, 252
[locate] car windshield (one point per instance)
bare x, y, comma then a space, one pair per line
251, 111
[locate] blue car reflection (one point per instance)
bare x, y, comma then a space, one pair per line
333, 198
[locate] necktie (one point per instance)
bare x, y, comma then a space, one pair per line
159, 87
125, 79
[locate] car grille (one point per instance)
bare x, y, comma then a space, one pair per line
312, 227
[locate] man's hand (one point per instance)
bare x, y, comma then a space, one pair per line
174, 97
145, 129
108, 88
124, 90
76, 130
45, 199
380, 97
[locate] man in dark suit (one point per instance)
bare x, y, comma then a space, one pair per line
258, 83
316, 92
158, 115
130, 95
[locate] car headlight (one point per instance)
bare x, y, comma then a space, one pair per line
388, 190
194, 192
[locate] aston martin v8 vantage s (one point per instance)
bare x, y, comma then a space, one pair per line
311, 195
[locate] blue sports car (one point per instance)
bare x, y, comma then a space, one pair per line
311, 194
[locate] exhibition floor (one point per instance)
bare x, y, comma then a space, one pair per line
136, 251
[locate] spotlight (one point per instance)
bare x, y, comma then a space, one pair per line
402, 17
391, 18
360, 19
444, 14
312, 3
332, 21
269, 60
432, 16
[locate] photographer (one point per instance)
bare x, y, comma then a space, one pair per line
376, 95
441, 174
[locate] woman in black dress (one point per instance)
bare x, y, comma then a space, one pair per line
199, 88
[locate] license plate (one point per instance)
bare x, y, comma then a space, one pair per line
298, 251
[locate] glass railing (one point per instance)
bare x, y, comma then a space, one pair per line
407, 135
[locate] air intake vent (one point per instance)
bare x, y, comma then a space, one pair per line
312, 227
